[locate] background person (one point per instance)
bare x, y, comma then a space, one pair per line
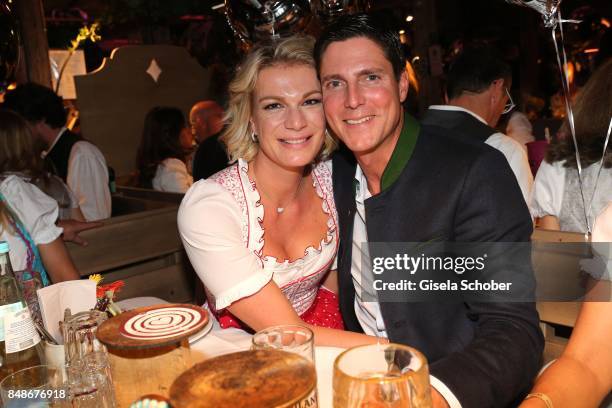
206, 119
478, 89
520, 129
79, 163
27, 221
19, 156
162, 155
557, 198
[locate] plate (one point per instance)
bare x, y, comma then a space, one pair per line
153, 326
200, 335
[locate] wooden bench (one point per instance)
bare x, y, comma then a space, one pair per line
139, 244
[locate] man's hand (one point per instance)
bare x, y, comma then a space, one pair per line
437, 399
72, 228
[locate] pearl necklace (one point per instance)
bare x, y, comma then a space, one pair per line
281, 208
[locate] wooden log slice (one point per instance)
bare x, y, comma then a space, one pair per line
255, 378
152, 326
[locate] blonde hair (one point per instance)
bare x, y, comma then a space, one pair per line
295, 50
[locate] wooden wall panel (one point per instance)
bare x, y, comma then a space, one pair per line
114, 99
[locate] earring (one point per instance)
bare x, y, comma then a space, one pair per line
253, 136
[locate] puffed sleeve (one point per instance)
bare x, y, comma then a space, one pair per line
548, 190
37, 211
172, 176
210, 225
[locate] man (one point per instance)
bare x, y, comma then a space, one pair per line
478, 90
410, 186
79, 163
206, 119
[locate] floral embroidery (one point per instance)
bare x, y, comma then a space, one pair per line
296, 279
229, 179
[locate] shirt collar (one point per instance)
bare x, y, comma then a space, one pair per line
457, 109
399, 158
44, 153
362, 192
401, 153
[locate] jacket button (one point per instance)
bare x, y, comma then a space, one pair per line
399, 324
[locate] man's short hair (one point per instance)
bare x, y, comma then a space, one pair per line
372, 27
474, 70
35, 102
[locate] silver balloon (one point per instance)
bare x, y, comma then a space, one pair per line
253, 20
329, 9
547, 8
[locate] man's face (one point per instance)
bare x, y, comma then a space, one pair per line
198, 126
499, 90
361, 96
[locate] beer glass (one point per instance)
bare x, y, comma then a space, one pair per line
381, 376
292, 338
38, 386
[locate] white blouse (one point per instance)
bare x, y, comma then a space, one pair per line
172, 176
37, 213
55, 188
220, 221
556, 192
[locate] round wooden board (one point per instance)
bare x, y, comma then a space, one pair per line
255, 378
118, 332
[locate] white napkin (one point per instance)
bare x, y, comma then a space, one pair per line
77, 295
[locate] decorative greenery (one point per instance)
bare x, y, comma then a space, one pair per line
85, 33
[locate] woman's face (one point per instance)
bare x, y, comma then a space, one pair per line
186, 138
288, 116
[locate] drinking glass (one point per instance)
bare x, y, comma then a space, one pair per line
292, 338
38, 386
381, 376
79, 333
89, 382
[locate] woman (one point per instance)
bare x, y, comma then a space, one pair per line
28, 216
582, 376
162, 155
21, 158
262, 234
557, 197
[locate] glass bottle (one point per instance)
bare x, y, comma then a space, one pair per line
20, 344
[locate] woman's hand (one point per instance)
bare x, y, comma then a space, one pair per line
270, 307
72, 229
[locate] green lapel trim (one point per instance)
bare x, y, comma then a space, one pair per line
402, 152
